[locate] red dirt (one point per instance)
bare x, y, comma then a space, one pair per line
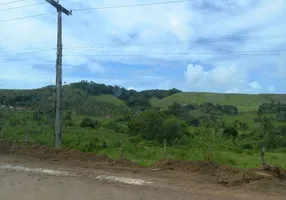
224, 175
63, 154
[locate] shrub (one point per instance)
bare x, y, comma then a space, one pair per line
14, 122
89, 123
230, 132
247, 146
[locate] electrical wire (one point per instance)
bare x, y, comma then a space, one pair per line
100, 8
138, 54
265, 52
31, 16
37, 51
158, 43
10, 2
24, 6
132, 5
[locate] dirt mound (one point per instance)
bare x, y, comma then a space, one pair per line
224, 175
212, 172
201, 167
55, 154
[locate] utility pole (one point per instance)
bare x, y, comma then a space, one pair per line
58, 103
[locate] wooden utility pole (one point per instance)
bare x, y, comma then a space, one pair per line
59, 104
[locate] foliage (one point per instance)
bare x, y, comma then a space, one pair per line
230, 132
194, 124
271, 108
281, 116
149, 125
89, 123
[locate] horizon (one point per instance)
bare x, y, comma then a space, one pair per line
152, 89
237, 48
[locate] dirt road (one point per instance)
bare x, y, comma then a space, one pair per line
34, 180
44, 174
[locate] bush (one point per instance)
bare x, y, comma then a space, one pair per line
14, 122
247, 146
230, 132
89, 123
115, 125
281, 116
135, 139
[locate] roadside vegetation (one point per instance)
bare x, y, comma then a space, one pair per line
232, 129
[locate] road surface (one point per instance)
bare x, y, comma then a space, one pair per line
41, 180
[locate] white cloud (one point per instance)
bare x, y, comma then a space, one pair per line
216, 78
255, 85
195, 74
196, 20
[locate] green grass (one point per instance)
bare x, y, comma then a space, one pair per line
142, 152
110, 99
244, 102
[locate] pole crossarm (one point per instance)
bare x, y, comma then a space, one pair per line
59, 7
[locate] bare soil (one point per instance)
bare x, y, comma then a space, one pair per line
172, 179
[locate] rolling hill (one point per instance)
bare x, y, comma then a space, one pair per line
244, 102
86, 95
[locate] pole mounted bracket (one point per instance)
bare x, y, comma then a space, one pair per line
59, 7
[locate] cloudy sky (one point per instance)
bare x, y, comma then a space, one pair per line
198, 45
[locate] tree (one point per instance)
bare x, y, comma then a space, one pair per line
148, 124
174, 129
236, 123
175, 109
87, 122
244, 126
230, 132
68, 119
266, 128
281, 116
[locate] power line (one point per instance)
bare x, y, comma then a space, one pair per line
101, 8
155, 43
10, 2
24, 6
281, 52
159, 43
246, 53
37, 51
31, 16
254, 52
133, 5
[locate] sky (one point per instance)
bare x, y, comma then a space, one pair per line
226, 46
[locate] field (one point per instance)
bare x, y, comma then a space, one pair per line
191, 145
244, 102
106, 141
110, 131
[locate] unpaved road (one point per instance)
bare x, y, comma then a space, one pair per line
28, 179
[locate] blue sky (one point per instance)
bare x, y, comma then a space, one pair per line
133, 60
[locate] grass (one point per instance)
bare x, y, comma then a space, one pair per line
142, 152
244, 102
109, 99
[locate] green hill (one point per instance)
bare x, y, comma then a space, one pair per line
85, 96
244, 102
110, 99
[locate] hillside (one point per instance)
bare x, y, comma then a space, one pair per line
244, 102
98, 118
90, 94
74, 100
